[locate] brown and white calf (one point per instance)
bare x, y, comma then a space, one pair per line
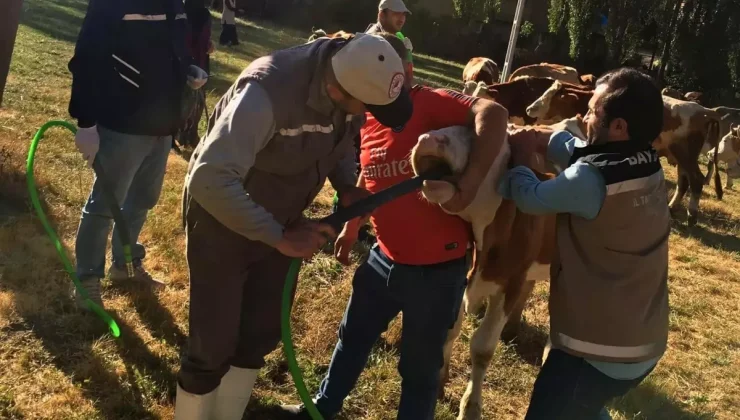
554, 71
481, 69
512, 250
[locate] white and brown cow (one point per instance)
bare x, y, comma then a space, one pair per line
501, 258
560, 101
730, 119
689, 130
728, 151
516, 96
512, 249
481, 69
554, 71
673, 93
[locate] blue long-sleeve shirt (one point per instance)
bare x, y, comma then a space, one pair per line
579, 189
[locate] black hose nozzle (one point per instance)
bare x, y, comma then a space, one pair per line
367, 205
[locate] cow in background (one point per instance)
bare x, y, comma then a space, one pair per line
588, 80
320, 33
560, 101
730, 119
516, 96
481, 69
673, 93
729, 148
689, 129
694, 97
554, 71
676, 94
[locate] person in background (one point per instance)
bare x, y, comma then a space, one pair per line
391, 18
228, 24
200, 46
412, 269
608, 290
129, 69
285, 126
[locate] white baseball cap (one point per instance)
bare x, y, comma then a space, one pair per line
370, 70
394, 6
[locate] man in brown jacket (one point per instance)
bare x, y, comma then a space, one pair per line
284, 127
608, 291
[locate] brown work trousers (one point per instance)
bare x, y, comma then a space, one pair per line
236, 288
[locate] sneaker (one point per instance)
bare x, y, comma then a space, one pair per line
120, 274
297, 412
92, 287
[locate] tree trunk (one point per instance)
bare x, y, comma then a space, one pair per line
670, 33
8, 29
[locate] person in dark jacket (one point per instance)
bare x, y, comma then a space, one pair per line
129, 69
200, 46
228, 24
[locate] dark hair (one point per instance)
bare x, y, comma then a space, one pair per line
633, 96
396, 43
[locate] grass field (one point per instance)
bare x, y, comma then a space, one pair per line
57, 363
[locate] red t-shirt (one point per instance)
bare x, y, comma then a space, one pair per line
411, 230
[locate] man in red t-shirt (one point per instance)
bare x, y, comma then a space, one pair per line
418, 265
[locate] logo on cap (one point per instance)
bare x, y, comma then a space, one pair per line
396, 85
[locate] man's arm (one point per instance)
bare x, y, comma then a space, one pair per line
228, 152
578, 190
93, 47
344, 174
490, 122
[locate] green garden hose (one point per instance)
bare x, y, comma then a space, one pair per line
99, 311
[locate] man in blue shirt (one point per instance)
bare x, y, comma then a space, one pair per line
608, 295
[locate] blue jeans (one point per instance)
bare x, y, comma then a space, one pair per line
568, 387
429, 297
135, 167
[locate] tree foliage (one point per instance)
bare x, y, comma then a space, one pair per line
475, 10
696, 42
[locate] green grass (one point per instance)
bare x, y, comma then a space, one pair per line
58, 363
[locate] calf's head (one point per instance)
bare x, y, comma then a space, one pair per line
558, 102
447, 148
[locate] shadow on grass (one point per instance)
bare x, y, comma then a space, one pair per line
59, 19
73, 337
648, 402
726, 242
528, 342
158, 319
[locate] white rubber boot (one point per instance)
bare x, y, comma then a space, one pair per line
234, 392
193, 406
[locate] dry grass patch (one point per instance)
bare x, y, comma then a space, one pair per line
57, 363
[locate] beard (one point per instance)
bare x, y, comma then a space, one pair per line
597, 134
